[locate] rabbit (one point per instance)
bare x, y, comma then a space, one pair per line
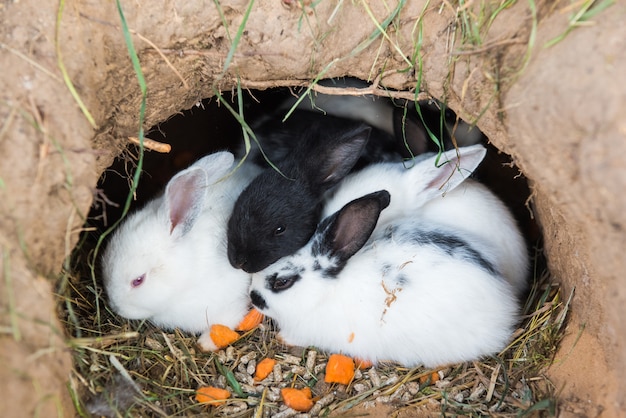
167, 262
279, 138
420, 294
397, 132
411, 123
278, 211
443, 196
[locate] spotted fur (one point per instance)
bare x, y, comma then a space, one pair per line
432, 278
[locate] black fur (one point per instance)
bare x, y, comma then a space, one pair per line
401, 279
386, 269
452, 245
277, 213
342, 234
413, 122
277, 138
258, 300
270, 202
280, 282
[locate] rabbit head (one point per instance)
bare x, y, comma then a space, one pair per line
167, 262
278, 212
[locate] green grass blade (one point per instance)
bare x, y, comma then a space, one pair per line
382, 28
248, 133
246, 136
307, 92
235, 41
142, 112
593, 11
8, 283
377, 32
230, 378
223, 19
589, 10
61, 65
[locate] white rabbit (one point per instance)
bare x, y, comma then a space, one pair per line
167, 262
419, 294
443, 196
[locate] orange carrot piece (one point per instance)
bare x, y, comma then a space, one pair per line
362, 364
298, 399
223, 336
264, 368
215, 396
250, 321
434, 376
339, 369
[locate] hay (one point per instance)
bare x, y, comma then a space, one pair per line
131, 368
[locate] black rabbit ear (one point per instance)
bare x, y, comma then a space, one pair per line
338, 156
184, 198
354, 223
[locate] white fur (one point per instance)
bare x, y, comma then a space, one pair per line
189, 283
443, 196
448, 310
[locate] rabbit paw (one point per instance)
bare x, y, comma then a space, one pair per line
205, 342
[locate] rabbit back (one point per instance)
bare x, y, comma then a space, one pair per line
417, 295
443, 197
168, 266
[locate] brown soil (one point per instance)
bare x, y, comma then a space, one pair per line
559, 114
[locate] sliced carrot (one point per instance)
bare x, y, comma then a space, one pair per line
339, 369
298, 399
223, 336
216, 396
362, 364
250, 321
429, 378
264, 368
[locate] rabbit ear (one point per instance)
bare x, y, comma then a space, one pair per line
454, 167
186, 191
354, 223
338, 157
216, 165
184, 197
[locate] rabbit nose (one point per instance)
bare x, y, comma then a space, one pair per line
258, 300
238, 261
242, 264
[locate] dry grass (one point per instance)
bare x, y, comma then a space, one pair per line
131, 368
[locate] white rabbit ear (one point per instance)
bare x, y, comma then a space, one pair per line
354, 223
186, 191
216, 165
454, 167
184, 198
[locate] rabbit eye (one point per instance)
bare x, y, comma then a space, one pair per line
138, 281
283, 282
279, 230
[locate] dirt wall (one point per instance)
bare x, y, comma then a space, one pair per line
554, 109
